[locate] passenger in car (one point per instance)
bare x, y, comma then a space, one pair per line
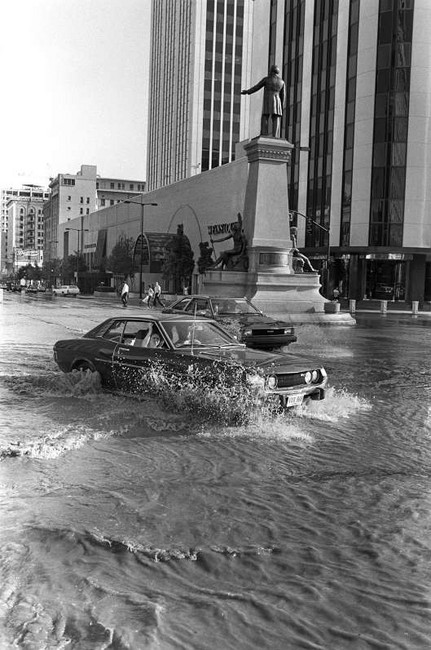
141, 339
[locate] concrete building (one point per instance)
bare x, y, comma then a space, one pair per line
22, 231
200, 60
72, 196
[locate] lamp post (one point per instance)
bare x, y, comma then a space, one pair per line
79, 231
142, 239
328, 250
51, 243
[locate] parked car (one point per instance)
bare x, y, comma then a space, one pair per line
66, 290
255, 329
122, 346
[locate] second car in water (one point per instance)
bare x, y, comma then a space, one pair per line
255, 329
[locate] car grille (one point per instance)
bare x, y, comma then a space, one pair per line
295, 379
268, 332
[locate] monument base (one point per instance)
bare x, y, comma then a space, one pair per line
294, 298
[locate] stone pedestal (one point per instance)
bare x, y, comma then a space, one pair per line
266, 204
270, 280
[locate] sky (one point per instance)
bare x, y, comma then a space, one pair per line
74, 88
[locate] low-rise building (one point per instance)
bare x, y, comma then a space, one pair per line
74, 196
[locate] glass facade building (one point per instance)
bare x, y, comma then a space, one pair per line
195, 98
358, 80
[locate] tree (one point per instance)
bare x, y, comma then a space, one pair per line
29, 272
71, 264
120, 261
51, 270
179, 261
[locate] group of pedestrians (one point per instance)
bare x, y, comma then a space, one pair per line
152, 299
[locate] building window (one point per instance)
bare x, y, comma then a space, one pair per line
103, 202
81, 210
112, 185
88, 211
131, 186
81, 199
112, 202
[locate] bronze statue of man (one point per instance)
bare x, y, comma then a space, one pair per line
273, 100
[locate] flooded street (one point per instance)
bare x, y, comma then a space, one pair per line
129, 525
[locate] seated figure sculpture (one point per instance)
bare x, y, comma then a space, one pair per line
301, 263
235, 258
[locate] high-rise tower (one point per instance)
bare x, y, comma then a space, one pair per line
200, 57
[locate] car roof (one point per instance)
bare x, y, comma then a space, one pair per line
161, 317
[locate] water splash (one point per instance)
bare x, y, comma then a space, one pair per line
56, 444
73, 384
337, 405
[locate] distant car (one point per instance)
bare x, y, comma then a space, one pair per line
125, 349
31, 289
66, 290
255, 329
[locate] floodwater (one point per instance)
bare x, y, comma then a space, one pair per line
129, 525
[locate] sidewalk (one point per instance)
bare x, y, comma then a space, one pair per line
395, 307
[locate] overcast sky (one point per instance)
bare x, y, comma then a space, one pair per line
74, 88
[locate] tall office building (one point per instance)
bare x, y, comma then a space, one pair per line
200, 60
358, 78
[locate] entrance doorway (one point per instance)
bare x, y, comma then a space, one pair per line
386, 280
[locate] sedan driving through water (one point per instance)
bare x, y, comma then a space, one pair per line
125, 350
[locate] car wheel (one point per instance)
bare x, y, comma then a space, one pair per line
83, 366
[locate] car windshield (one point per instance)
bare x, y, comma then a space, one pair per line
190, 333
234, 306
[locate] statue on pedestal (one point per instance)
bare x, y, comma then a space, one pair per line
273, 100
301, 263
235, 258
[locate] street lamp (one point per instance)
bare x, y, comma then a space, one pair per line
79, 231
142, 238
328, 251
51, 243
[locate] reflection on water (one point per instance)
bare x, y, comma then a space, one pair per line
127, 524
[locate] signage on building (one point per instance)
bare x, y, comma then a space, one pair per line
221, 228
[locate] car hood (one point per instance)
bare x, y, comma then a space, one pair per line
256, 320
268, 361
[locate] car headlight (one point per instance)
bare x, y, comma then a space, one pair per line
308, 377
272, 381
288, 330
247, 332
315, 376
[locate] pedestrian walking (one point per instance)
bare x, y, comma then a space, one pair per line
157, 294
125, 293
149, 297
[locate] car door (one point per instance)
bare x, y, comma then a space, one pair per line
135, 355
105, 345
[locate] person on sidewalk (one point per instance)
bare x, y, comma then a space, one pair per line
157, 294
125, 293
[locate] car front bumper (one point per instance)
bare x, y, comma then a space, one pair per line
268, 341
